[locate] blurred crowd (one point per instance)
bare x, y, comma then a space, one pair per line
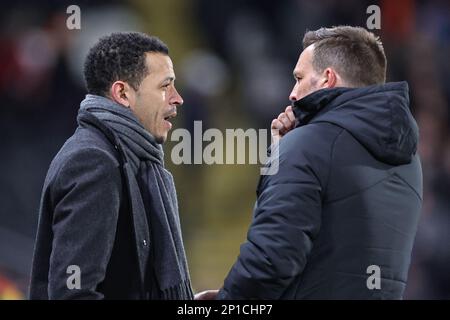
233, 61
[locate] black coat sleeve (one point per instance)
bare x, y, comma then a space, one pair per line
287, 218
86, 202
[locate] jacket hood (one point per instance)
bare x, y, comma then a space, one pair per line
377, 116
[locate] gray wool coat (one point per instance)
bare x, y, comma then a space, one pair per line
92, 216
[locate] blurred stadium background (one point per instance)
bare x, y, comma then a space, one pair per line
233, 61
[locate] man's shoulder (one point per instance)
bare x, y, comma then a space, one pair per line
306, 151
313, 138
86, 146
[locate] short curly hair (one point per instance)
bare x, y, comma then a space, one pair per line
119, 56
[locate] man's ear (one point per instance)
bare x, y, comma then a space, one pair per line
330, 78
122, 93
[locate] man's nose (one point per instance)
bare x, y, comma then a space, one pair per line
177, 99
293, 95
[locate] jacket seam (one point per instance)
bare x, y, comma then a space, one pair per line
360, 191
331, 156
409, 185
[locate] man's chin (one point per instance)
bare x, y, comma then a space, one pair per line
161, 139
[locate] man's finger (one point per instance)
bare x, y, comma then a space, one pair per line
288, 124
290, 114
277, 125
275, 129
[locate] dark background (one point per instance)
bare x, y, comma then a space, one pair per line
234, 62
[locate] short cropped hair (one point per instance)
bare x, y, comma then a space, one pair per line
119, 56
356, 54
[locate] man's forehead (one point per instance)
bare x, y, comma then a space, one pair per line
159, 62
305, 58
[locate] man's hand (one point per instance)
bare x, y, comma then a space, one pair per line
206, 295
283, 124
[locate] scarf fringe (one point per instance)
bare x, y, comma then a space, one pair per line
182, 291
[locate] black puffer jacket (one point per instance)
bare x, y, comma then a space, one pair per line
347, 196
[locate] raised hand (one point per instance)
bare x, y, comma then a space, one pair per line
283, 124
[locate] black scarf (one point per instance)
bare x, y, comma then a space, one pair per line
158, 189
